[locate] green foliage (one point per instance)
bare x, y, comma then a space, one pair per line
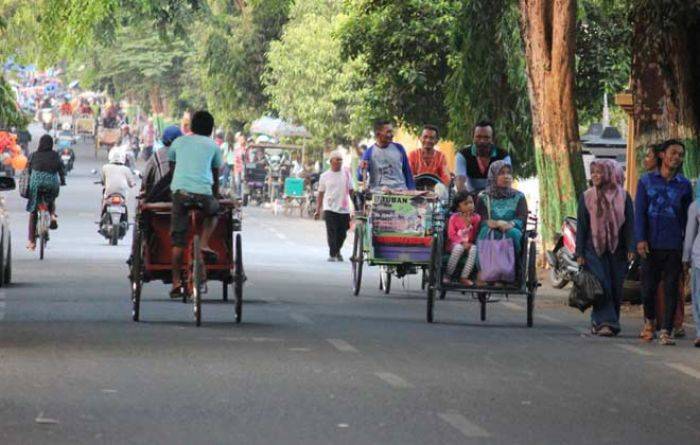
232, 56
18, 28
488, 79
405, 47
10, 115
138, 63
308, 82
603, 55
67, 25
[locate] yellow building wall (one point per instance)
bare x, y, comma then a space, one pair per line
411, 142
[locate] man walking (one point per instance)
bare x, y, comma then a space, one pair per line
334, 189
472, 163
661, 213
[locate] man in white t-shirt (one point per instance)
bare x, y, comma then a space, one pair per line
334, 189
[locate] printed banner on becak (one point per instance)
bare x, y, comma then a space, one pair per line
400, 214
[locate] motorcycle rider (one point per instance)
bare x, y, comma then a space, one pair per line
116, 177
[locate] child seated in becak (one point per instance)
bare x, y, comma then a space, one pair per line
461, 237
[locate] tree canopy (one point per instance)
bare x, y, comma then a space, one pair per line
308, 82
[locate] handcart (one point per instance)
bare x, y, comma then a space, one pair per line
294, 196
85, 125
151, 256
107, 138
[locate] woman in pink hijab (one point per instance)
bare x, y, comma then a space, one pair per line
605, 241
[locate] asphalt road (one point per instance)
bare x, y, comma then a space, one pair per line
310, 364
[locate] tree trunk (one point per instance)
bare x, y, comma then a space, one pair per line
665, 78
156, 100
548, 33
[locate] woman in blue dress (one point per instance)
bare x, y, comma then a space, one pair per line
605, 241
502, 208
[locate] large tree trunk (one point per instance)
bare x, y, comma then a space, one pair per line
666, 77
548, 33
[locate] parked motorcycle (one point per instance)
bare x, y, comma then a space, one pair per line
563, 265
562, 259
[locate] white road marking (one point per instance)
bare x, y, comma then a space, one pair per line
45, 420
109, 391
634, 349
300, 318
461, 423
548, 318
341, 345
513, 306
393, 380
281, 236
300, 349
687, 370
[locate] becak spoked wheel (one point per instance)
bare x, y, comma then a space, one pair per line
357, 258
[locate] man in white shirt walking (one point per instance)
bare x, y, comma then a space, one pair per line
334, 189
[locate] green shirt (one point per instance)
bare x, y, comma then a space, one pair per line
194, 156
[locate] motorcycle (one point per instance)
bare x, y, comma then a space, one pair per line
47, 119
562, 259
67, 155
563, 265
114, 222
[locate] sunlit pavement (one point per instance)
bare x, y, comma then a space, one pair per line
310, 363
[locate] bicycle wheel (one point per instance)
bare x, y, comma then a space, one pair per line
239, 278
42, 245
136, 279
196, 277
357, 258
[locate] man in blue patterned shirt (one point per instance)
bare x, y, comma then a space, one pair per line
661, 211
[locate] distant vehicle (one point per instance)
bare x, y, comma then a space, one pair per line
6, 184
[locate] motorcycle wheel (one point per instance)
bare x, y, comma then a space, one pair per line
555, 278
114, 236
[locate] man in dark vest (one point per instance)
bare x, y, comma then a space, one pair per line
473, 162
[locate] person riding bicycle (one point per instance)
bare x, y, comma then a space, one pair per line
46, 175
195, 161
386, 161
428, 160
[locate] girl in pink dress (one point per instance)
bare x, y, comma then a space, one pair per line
461, 237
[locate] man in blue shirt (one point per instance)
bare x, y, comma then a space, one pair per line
472, 163
386, 161
195, 161
661, 212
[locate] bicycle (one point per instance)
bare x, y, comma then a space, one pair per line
43, 222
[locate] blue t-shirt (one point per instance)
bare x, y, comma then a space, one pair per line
194, 156
661, 210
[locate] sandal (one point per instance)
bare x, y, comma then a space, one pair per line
666, 339
647, 333
605, 331
466, 282
54, 224
678, 332
696, 343
31, 246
